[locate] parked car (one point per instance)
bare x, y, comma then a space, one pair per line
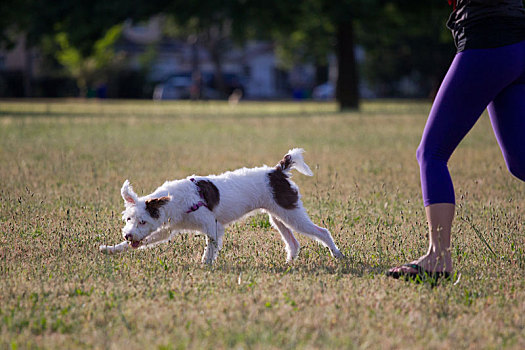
324, 91
181, 86
177, 87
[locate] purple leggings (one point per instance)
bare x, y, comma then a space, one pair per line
476, 79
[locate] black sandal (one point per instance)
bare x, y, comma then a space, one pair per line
420, 275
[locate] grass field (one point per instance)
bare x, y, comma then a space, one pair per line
62, 164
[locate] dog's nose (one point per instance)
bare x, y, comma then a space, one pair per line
128, 237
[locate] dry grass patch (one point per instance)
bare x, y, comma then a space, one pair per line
62, 167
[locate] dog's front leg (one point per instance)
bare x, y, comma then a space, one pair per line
114, 249
156, 237
214, 234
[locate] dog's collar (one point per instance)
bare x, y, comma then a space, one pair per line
199, 203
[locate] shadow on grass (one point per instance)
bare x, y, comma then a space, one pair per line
171, 116
346, 266
203, 110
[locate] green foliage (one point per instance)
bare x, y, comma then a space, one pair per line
402, 39
406, 39
88, 69
311, 39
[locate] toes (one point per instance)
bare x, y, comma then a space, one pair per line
403, 269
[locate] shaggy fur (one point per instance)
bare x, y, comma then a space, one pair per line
208, 204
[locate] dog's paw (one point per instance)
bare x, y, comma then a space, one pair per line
207, 260
337, 254
291, 258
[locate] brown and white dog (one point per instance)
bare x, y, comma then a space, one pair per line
207, 204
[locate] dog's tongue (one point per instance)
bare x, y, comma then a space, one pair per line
135, 244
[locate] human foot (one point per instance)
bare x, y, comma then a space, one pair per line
432, 265
415, 272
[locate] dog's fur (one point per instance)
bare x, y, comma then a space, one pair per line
207, 204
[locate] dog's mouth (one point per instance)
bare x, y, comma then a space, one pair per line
134, 244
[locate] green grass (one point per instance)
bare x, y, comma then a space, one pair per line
61, 167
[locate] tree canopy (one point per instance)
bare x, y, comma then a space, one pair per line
401, 38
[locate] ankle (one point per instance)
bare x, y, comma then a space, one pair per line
439, 254
437, 261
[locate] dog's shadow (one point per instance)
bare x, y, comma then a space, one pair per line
341, 267
324, 264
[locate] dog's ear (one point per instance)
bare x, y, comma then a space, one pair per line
153, 205
130, 197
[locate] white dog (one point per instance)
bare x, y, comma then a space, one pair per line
207, 204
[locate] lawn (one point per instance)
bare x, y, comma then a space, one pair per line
63, 163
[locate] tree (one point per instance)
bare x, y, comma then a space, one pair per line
316, 28
212, 30
87, 70
320, 26
413, 42
83, 22
219, 24
398, 35
310, 40
30, 19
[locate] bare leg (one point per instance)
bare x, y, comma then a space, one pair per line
439, 217
437, 259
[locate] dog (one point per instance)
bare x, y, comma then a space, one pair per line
208, 204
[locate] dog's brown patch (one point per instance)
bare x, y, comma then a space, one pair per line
285, 162
153, 205
283, 192
209, 193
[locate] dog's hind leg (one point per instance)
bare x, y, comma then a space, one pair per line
214, 234
299, 221
292, 245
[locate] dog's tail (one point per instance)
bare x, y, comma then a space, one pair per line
294, 160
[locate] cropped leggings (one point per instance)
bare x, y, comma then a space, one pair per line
477, 79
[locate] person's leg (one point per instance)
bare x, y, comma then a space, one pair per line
438, 257
439, 218
474, 79
507, 114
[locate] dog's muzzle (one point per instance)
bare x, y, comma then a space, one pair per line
129, 238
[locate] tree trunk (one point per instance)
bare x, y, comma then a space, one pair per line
196, 75
216, 53
28, 70
347, 90
219, 77
321, 73
216, 40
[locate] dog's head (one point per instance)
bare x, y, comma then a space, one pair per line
141, 217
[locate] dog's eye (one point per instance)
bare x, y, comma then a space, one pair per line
142, 222
128, 219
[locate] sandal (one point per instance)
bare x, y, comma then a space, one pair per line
420, 273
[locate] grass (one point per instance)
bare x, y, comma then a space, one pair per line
62, 165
